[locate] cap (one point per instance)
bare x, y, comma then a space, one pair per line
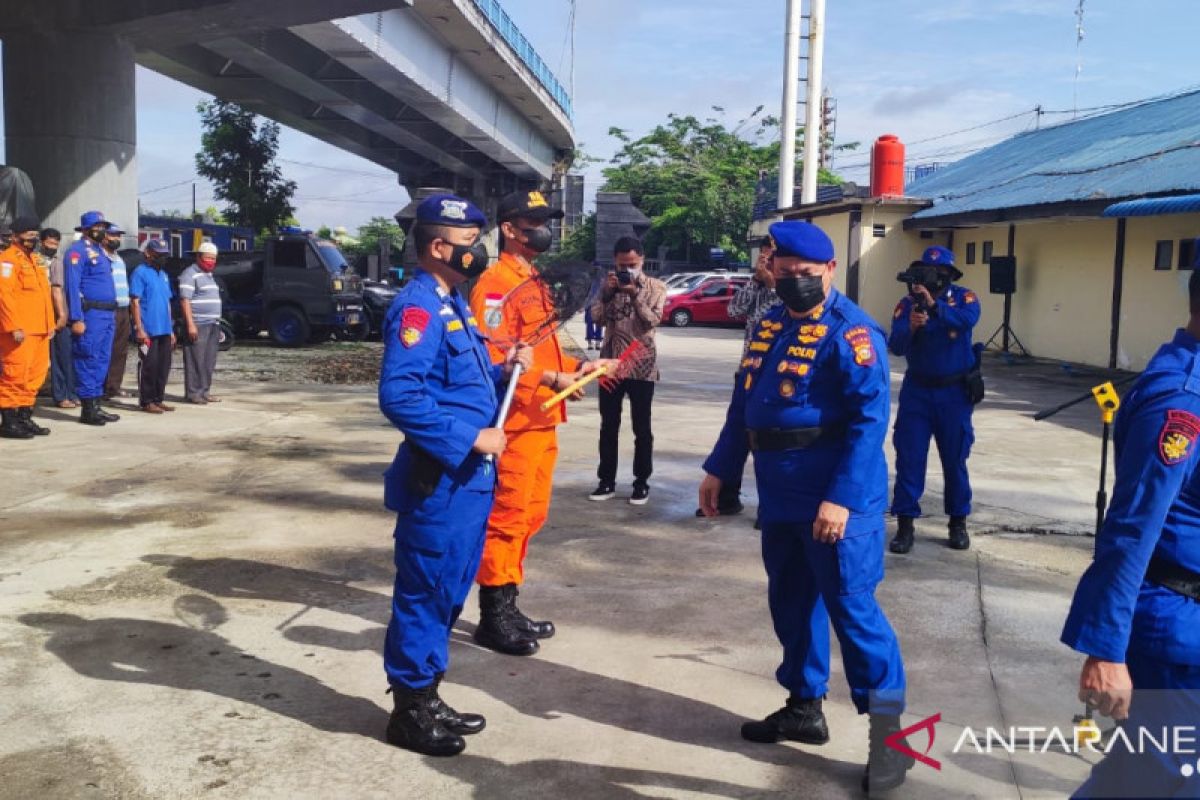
531, 205
207, 249
803, 240
941, 257
24, 224
158, 246
451, 211
115, 228
90, 218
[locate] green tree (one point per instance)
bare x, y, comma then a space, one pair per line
578, 245
696, 179
237, 154
377, 230
324, 232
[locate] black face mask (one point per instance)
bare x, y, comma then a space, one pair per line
97, 235
49, 252
468, 260
801, 293
538, 239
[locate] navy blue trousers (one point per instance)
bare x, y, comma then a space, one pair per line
438, 547
92, 352
809, 586
943, 413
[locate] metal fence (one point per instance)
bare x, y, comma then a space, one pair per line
511, 34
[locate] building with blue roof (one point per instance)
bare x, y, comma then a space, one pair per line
1100, 213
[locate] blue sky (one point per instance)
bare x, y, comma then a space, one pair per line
919, 69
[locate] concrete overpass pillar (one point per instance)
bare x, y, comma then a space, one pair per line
70, 122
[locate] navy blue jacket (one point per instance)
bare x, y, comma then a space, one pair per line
943, 347
1155, 510
828, 369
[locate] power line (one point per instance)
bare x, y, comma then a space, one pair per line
345, 170
168, 186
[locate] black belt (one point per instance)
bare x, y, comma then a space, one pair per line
1174, 577
96, 305
778, 439
938, 383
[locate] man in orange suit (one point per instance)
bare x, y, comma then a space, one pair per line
26, 322
525, 471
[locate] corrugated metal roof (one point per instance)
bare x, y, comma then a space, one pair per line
1151, 148
1151, 206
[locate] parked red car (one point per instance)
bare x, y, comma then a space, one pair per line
708, 302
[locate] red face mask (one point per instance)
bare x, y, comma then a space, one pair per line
207, 263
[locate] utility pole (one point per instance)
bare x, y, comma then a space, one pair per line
812, 106
787, 130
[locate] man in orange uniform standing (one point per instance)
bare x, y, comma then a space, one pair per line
26, 322
525, 471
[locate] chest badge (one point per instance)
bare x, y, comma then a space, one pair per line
787, 389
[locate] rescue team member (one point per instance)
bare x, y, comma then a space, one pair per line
1136, 611
931, 328
26, 325
122, 327
812, 400
439, 387
91, 302
150, 295
630, 307
525, 474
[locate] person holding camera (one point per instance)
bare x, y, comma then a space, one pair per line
630, 307
931, 328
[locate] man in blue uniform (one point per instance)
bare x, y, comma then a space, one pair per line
1136, 611
812, 400
91, 303
931, 328
439, 387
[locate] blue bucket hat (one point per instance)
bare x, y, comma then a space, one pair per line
91, 218
941, 257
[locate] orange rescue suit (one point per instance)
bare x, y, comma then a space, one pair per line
526, 469
25, 305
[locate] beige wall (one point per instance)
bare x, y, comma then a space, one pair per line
1153, 303
1062, 308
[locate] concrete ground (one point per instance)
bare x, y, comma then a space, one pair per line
193, 606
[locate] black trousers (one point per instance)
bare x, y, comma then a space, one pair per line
641, 397
154, 367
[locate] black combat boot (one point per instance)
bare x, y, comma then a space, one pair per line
886, 767
903, 541
90, 415
453, 721
498, 627
959, 540
105, 415
414, 724
26, 416
799, 721
11, 426
538, 630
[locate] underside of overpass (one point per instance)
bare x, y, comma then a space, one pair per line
443, 92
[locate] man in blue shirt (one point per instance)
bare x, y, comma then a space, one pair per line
811, 398
1136, 611
931, 328
150, 294
91, 303
439, 387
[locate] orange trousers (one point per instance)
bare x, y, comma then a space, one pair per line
24, 369
524, 475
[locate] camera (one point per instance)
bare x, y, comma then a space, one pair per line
624, 277
919, 274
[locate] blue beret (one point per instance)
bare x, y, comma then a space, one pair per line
801, 240
450, 210
938, 257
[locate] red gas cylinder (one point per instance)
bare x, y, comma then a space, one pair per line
887, 167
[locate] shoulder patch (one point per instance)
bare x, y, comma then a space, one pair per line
6, 270
1177, 437
899, 312
413, 323
970, 297
859, 338
74, 257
